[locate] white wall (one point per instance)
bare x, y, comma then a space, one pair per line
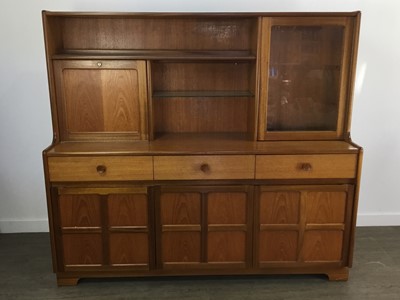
25, 127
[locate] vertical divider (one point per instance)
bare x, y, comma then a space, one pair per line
302, 226
151, 228
156, 194
204, 227
105, 232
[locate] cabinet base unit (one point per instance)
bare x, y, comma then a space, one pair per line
201, 144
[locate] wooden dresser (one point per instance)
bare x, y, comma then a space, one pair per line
199, 144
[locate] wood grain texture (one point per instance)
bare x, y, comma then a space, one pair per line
279, 207
277, 246
200, 114
226, 246
291, 166
129, 249
99, 99
203, 167
127, 210
184, 247
227, 208
325, 207
82, 250
80, 211
322, 245
85, 168
172, 33
180, 208
203, 87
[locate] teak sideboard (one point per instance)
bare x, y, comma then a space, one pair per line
199, 144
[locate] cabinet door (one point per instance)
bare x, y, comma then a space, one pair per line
101, 99
204, 227
303, 224
305, 77
104, 229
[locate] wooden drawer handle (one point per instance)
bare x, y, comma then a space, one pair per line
205, 168
101, 169
307, 167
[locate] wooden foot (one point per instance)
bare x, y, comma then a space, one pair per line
67, 281
338, 274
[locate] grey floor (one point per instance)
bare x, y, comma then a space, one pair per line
25, 273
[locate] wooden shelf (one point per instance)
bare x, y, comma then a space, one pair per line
223, 55
179, 94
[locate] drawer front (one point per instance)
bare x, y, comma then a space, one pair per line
204, 167
98, 168
306, 166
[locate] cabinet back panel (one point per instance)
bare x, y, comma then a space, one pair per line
139, 33
228, 76
177, 115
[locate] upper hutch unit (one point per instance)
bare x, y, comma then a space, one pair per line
201, 143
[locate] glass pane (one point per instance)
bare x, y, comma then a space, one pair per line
304, 78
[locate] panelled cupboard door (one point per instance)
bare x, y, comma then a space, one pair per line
298, 225
104, 228
203, 227
101, 99
306, 63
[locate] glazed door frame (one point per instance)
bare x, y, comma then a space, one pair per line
346, 72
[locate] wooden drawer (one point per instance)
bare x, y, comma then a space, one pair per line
99, 168
306, 166
204, 167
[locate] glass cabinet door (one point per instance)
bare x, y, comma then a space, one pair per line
303, 86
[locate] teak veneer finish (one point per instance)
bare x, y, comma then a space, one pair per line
200, 144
